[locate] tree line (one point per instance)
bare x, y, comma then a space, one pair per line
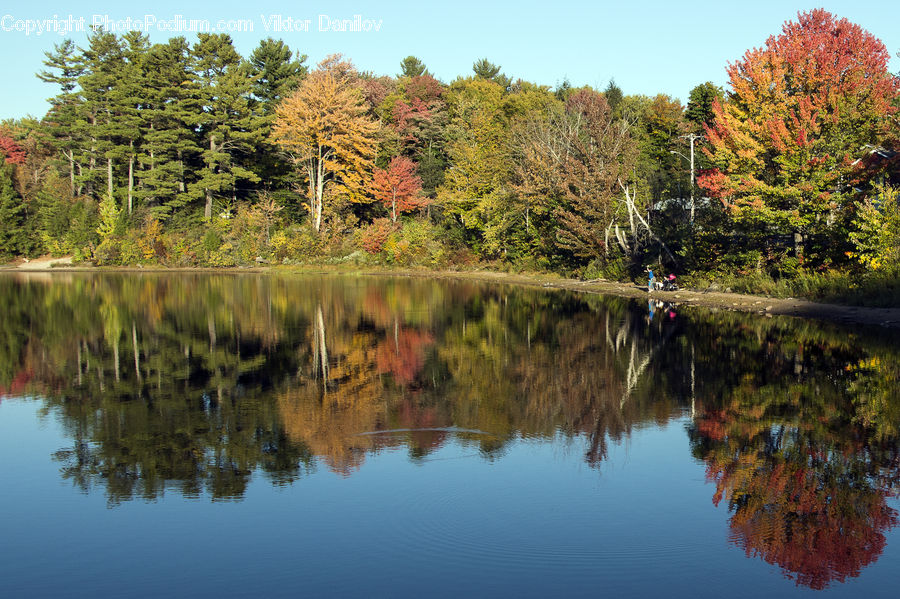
187, 153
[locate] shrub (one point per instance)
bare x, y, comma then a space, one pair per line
108, 252
296, 245
614, 270
415, 244
373, 237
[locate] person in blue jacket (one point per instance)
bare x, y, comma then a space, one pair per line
651, 281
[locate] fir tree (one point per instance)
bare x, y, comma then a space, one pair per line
12, 215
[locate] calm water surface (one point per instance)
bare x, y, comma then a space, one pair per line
216, 435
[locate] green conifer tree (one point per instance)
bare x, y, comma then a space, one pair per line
12, 214
228, 126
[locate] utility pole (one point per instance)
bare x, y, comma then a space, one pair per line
692, 137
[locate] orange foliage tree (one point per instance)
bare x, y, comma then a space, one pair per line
785, 143
323, 125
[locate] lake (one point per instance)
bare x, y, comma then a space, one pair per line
353, 436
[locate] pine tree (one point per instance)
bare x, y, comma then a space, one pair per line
412, 67
485, 69
227, 124
104, 60
277, 72
169, 141
12, 214
128, 101
66, 65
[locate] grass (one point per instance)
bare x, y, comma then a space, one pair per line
875, 289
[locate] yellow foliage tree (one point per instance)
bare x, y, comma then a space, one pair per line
324, 127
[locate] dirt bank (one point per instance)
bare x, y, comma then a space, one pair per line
888, 317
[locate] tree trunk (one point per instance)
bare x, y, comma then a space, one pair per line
181, 186
632, 210
131, 180
320, 189
207, 211
71, 158
109, 179
80, 174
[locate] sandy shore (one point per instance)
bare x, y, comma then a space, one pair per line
887, 317
43, 263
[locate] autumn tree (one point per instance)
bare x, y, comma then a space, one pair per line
538, 178
417, 114
601, 155
10, 151
324, 127
398, 187
479, 155
785, 142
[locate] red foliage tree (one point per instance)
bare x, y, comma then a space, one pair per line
785, 142
424, 88
12, 151
398, 187
408, 118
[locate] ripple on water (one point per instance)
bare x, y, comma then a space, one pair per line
498, 525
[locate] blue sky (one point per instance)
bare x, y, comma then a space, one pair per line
648, 46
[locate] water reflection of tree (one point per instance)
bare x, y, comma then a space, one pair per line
155, 384
193, 383
804, 466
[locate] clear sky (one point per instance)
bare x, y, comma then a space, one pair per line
648, 46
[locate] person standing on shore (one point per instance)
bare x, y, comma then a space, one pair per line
650, 282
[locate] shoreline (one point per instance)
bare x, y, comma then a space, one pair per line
795, 307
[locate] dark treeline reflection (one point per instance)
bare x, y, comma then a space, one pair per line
195, 383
